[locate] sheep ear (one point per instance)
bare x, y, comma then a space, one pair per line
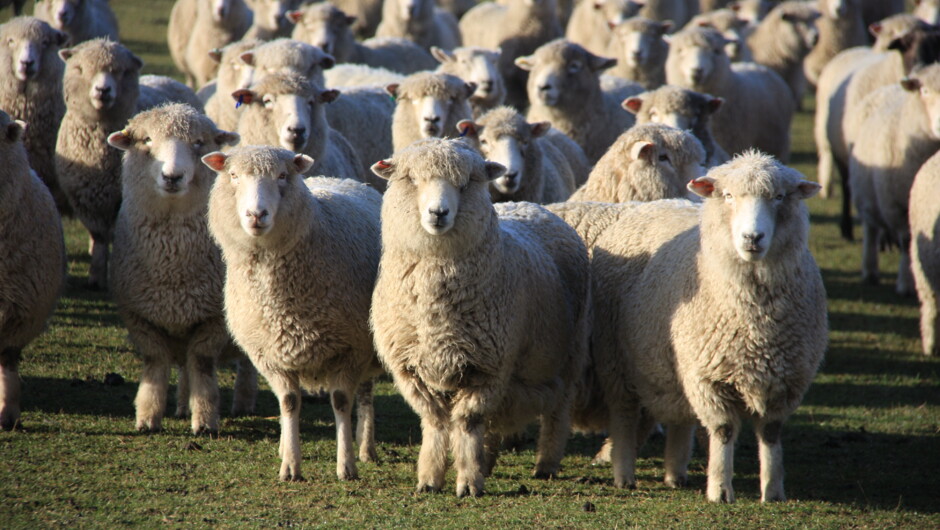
15, 130
248, 58
633, 104
598, 4
216, 54
350, 20
60, 37
328, 96
540, 129
302, 163
227, 138
294, 16
874, 28
470, 87
392, 90
120, 140
665, 26
66, 53
599, 64
441, 55
806, 189
243, 96
467, 128
527, 63
215, 161
138, 62
642, 149
911, 84
493, 170
383, 169
327, 62
714, 104
702, 186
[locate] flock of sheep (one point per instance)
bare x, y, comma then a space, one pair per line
667, 278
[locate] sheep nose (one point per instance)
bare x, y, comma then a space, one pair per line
27, 64
486, 85
697, 73
298, 131
104, 91
439, 212
754, 237
256, 215
172, 179
432, 119
545, 88
511, 176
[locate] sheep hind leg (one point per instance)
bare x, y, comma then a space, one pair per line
10, 389
365, 422
287, 389
150, 403
870, 234
204, 394
905, 281
929, 322
553, 436
246, 388
432, 459
721, 462
771, 460
182, 393
98, 269
491, 444
341, 400
679, 438
467, 436
623, 435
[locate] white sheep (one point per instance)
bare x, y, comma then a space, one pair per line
419, 21
648, 162
758, 104
234, 74
640, 48
81, 20
352, 75
565, 89
924, 218
683, 109
198, 26
287, 55
783, 39
535, 170
592, 20
301, 260
33, 268
156, 90
479, 312
876, 10
166, 272
327, 27
269, 19
367, 14
31, 91
428, 105
712, 314
479, 66
733, 26
840, 27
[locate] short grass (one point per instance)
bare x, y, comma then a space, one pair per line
862, 451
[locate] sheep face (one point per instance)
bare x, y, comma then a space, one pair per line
434, 102
103, 71
637, 40
234, 72
284, 56
29, 44
63, 12
729, 23
508, 143
677, 107
219, 10
618, 11
562, 72
292, 109
798, 32
272, 14
696, 58
324, 26
475, 65
926, 84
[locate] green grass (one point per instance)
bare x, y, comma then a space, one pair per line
862, 451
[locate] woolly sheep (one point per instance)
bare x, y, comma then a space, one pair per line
736, 29
156, 90
901, 133
33, 267
564, 89
572, 153
783, 39
269, 19
592, 20
234, 74
288, 55
328, 27
17, 6
683, 109
472, 354
713, 313
31, 91
166, 272
535, 170
428, 105
928, 11
840, 28
198, 26
758, 104
925, 250
351, 75
479, 66
301, 259
648, 162
641, 51
753, 11
81, 20
419, 21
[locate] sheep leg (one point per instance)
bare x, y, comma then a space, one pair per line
182, 393
365, 422
287, 389
246, 387
155, 350
846, 221
9, 388
553, 435
491, 444
870, 253
721, 462
929, 321
98, 269
678, 452
432, 459
824, 169
624, 421
467, 435
771, 460
342, 411
905, 281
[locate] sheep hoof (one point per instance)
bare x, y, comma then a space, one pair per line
545, 474
469, 490
8, 422
774, 497
206, 431
368, 455
347, 473
677, 482
427, 488
291, 477
722, 496
627, 485
148, 427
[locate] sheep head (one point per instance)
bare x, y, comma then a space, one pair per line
561, 73
637, 38
925, 84
697, 58
479, 66
674, 106
323, 25
32, 44
105, 72
433, 102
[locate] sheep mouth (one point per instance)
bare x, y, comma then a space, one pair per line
431, 131
27, 74
548, 98
102, 102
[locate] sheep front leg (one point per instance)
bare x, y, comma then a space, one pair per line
365, 424
721, 462
9, 388
205, 347
287, 389
182, 393
870, 234
155, 351
553, 436
98, 269
623, 438
678, 452
342, 412
432, 459
467, 436
771, 460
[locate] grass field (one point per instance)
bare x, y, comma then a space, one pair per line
863, 450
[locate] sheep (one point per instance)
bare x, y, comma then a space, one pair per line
641, 51
286, 110
572, 153
479, 66
301, 260
287, 55
351, 75
166, 272
840, 28
648, 162
328, 27
428, 105
367, 14
479, 311
758, 103
924, 219
928, 11
33, 268
269, 19
234, 74
156, 90
198, 26
31, 91
682, 109
736, 29
17, 6
419, 21
81, 20
591, 22
783, 39
535, 170
101, 89
902, 131
517, 29
713, 313
753, 11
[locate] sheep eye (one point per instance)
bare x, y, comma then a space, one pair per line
282, 176
664, 158
233, 176
483, 142
148, 141
268, 102
198, 144
463, 188
574, 67
779, 197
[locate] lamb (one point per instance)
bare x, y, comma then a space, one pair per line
733, 26
428, 105
682, 109
479, 66
198, 26
902, 131
301, 260
33, 267
713, 313
783, 39
234, 74
419, 21
928, 11
535, 170
840, 28
564, 87
640, 48
17, 6
758, 103
647, 163
269, 19
81, 20
591, 22
924, 218
479, 311
328, 27
166, 272
31, 91
286, 110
